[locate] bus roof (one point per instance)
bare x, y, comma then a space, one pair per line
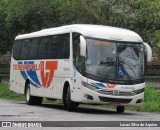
96, 31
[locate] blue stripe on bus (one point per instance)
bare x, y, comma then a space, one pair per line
24, 75
32, 73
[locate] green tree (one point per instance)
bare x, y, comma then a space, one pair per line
137, 15
24, 16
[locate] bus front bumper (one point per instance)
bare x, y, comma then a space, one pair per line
92, 97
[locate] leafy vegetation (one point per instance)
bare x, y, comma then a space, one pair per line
151, 103
5, 93
24, 16
152, 100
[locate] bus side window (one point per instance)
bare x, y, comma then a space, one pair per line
77, 59
43, 48
53, 47
24, 50
58, 47
17, 49
51, 50
66, 46
33, 48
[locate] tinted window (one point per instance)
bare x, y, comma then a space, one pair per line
50, 47
24, 49
59, 46
77, 59
51, 50
17, 49
33, 48
54, 47
66, 47
43, 48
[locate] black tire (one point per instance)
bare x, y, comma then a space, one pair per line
68, 103
64, 99
120, 109
32, 100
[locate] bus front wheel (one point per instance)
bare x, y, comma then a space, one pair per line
120, 109
69, 104
32, 100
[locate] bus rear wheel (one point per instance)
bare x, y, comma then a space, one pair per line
69, 104
120, 109
32, 100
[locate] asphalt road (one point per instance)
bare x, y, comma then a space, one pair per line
19, 111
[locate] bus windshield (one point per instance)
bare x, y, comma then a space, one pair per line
114, 62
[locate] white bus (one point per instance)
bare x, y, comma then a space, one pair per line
91, 64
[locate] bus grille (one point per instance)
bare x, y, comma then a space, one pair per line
120, 93
117, 100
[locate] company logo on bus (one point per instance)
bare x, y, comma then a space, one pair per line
115, 92
45, 69
111, 85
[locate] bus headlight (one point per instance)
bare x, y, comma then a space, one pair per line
138, 91
88, 86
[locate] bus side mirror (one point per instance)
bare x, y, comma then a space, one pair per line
82, 46
149, 52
